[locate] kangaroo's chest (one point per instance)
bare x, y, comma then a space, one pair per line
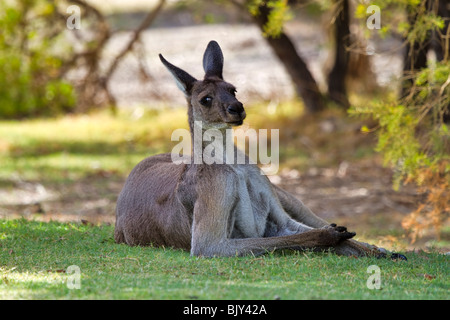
248, 218
253, 200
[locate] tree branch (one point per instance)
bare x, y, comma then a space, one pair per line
151, 16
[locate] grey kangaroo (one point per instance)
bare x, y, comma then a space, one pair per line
218, 209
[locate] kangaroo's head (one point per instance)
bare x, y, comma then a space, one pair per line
211, 100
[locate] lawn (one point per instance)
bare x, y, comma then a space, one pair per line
81, 161
35, 259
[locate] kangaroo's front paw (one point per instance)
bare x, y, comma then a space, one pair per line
344, 234
338, 234
340, 229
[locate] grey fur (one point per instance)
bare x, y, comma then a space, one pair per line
218, 209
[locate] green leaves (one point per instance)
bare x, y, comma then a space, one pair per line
412, 135
280, 13
31, 60
424, 24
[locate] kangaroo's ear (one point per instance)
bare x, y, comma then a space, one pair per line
183, 79
213, 60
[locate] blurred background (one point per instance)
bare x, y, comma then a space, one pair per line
360, 91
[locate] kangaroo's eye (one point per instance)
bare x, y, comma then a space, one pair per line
206, 101
233, 91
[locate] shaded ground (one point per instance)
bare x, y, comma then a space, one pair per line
357, 195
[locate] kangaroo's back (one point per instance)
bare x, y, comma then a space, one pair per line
149, 211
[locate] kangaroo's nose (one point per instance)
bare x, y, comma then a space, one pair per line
235, 109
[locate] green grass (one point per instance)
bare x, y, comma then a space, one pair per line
35, 255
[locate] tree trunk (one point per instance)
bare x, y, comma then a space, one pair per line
305, 85
416, 54
336, 78
442, 43
415, 58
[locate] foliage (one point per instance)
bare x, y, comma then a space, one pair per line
30, 60
412, 134
279, 14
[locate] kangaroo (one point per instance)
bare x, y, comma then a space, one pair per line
218, 209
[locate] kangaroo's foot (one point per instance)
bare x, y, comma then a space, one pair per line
336, 234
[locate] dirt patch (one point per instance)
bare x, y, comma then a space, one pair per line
350, 192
